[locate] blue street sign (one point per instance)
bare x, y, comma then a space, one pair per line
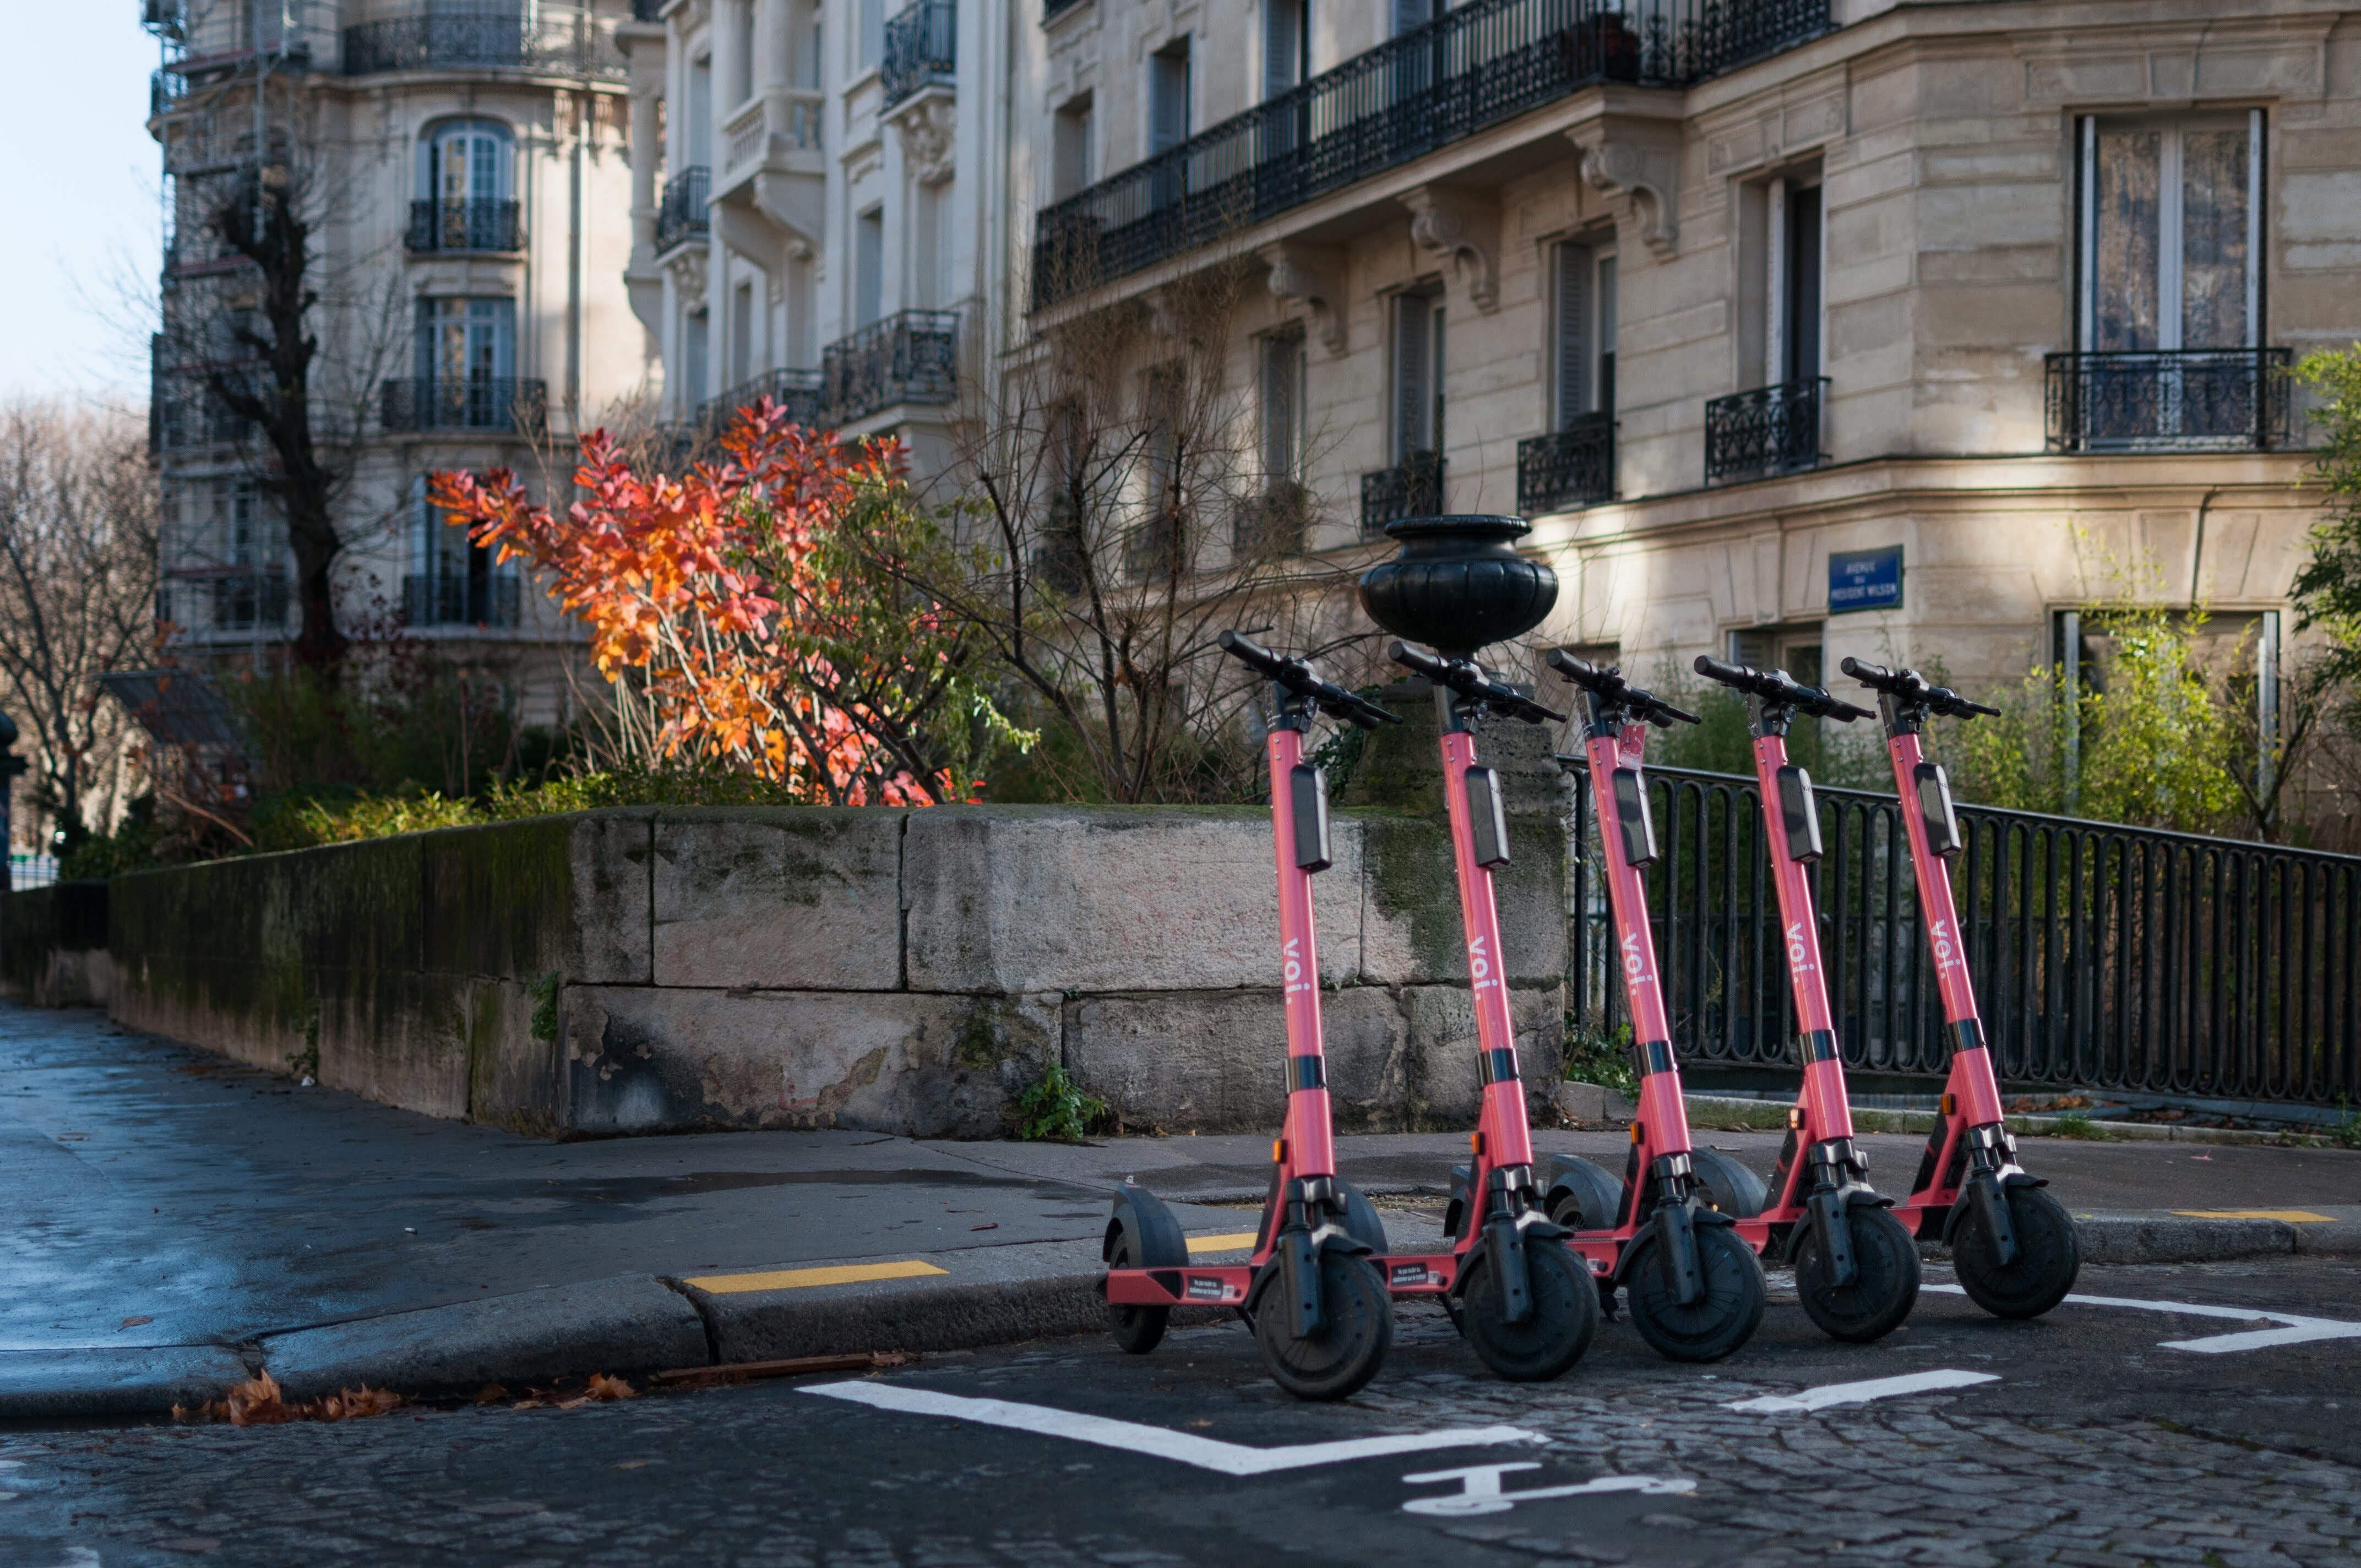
1865, 579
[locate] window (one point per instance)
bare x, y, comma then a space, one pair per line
452, 581
869, 267
696, 359
1072, 156
1168, 96
1410, 15
1418, 375
1584, 371
1792, 352
700, 114
2171, 234
1282, 408
741, 333
1160, 550
741, 50
873, 35
465, 160
1286, 45
467, 342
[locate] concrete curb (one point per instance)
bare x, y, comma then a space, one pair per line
638, 1323
1768, 1115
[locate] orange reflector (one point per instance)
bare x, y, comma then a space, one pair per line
1951, 1104
1795, 1117
1635, 1132
1279, 1151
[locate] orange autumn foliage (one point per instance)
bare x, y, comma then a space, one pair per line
733, 601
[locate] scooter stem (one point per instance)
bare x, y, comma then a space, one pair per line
1311, 1143
1502, 1125
1660, 1105
1980, 1088
1830, 1110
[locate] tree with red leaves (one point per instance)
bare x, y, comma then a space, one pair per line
756, 615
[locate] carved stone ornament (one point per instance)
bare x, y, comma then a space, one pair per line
1646, 168
1463, 230
1314, 275
926, 131
686, 265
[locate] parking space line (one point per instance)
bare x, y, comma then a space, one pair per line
1204, 1453
2297, 1329
804, 1279
1239, 1241
2285, 1216
1828, 1394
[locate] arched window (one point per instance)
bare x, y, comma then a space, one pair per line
465, 189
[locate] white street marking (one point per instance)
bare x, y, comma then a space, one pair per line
2299, 1328
1828, 1394
1205, 1452
1481, 1492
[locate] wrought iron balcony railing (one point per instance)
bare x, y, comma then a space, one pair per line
1411, 488
797, 391
910, 358
1771, 430
246, 602
567, 40
485, 404
681, 213
921, 50
2191, 397
1567, 468
464, 225
1475, 66
450, 599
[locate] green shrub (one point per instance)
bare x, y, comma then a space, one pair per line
1592, 1057
1055, 1110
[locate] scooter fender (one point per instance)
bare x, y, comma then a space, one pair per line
1676, 1227
1294, 1268
1152, 1237
1982, 1191
1821, 1209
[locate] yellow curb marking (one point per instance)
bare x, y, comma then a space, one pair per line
1239, 1242
804, 1279
2291, 1216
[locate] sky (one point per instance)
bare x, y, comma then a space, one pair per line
79, 268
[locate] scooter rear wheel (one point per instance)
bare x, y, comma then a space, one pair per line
1726, 1185
2048, 1256
1138, 1330
1725, 1314
1351, 1344
1558, 1331
1884, 1283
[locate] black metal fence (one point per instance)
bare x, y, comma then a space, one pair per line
2202, 398
465, 224
2105, 957
682, 212
1771, 430
911, 357
570, 40
1475, 66
1567, 468
921, 48
490, 403
1411, 488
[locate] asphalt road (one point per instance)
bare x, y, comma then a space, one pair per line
2094, 1440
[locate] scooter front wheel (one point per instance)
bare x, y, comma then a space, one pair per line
2049, 1256
1138, 1330
1884, 1285
1558, 1331
1357, 1330
1726, 1312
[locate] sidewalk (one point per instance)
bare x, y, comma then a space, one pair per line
176, 1223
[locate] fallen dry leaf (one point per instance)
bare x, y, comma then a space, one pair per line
631, 1464
134, 1322
491, 1394
259, 1402
603, 1387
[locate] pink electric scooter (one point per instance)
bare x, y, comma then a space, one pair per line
1856, 1265
1313, 1289
1694, 1286
2013, 1244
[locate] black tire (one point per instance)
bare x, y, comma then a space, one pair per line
2048, 1256
1352, 1343
1722, 1318
1138, 1330
1884, 1284
1726, 1185
1553, 1335
1584, 1196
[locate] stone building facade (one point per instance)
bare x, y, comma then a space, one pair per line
1973, 311
462, 168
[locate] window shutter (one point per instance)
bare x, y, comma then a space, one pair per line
1573, 333
1411, 329
1168, 90
1282, 29
1410, 14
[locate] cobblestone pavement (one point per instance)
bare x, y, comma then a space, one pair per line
2096, 1445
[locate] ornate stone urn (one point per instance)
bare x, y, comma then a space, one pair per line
1458, 583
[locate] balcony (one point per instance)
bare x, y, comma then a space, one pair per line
1567, 468
921, 50
1474, 67
488, 403
1771, 430
681, 214
2194, 399
250, 602
453, 600
1053, 9
467, 224
797, 391
564, 40
1411, 488
911, 358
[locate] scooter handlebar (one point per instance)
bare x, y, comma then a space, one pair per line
1610, 686
1469, 680
1298, 676
1910, 686
1778, 685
